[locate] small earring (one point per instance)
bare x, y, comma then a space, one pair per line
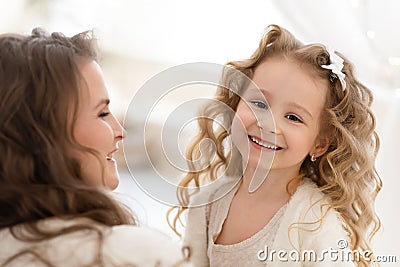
259, 126
313, 157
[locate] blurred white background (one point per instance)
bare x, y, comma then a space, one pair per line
138, 39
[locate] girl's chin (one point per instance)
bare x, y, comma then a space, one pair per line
262, 162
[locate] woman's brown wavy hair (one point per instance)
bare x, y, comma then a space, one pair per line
346, 173
39, 98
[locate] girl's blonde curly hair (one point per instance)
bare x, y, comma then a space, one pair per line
346, 173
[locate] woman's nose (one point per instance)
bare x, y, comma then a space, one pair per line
119, 131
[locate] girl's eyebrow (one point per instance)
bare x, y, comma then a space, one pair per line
104, 101
295, 105
259, 91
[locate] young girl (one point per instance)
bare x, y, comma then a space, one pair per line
57, 142
304, 192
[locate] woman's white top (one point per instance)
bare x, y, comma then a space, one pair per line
123, 245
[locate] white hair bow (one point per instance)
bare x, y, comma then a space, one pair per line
336, 66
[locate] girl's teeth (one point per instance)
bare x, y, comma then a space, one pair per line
262, 144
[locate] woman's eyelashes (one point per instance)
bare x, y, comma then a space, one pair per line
104, 114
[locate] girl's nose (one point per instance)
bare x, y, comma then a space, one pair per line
268, 124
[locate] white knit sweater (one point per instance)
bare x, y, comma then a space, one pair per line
326, 246
123, 245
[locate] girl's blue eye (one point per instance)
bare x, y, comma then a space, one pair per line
293, 118
104, 114
260, 104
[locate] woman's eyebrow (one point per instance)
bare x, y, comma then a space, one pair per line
104, 101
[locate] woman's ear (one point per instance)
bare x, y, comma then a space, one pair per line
321, 146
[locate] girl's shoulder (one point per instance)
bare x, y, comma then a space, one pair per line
308, 202
309, 212
311, 225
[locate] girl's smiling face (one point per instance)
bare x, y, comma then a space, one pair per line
279, 123
97, 128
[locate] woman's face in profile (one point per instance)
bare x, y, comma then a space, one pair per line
97, 128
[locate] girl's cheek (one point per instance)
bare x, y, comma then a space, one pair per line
246, 115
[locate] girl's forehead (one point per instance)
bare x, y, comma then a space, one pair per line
282, 72
280, 81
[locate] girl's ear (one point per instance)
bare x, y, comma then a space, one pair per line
320, 147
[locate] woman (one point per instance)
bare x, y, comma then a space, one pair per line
57, 141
